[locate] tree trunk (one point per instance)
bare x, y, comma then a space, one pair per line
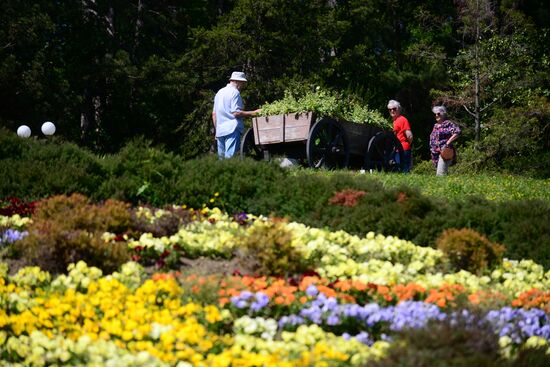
93, 104
86, 117
477, 121
139, 25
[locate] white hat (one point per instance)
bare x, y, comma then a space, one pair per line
238, 75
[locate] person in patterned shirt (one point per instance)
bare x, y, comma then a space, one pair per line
444, 133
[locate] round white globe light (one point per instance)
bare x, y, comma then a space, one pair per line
24, 131
48, 128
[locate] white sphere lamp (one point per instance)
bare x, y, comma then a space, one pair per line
48, 128
24, 131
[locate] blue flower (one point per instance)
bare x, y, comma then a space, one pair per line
333, 319
291, 320
261, 300
312, 290
11, 235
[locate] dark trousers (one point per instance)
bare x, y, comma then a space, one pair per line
407, 160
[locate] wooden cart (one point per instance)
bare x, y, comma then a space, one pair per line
322, 143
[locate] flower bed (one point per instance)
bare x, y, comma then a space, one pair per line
347, 308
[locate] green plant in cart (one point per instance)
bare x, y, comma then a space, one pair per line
325, 103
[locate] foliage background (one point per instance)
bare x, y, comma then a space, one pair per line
108, 71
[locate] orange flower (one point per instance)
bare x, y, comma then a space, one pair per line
360, 286
346, 298
260, 283
343, 285
474, 298
162, 276
329, 292
533, 298
408, 291
247, 280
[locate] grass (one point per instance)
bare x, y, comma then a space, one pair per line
492, 186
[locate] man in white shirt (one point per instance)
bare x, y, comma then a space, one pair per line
228, 114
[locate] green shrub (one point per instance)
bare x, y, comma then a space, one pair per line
399, 212
463, 343
469, 250
68, 229
269, 246
33, 169
523, 226
11, 145
140, 173
243, 185
532, 357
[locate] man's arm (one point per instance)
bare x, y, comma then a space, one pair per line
214, 118
246, 113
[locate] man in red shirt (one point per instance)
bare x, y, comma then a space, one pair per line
402, 130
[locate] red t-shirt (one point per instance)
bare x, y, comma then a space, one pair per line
400, 125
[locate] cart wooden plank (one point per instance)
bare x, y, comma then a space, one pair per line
268, 129
297, 126
282, 128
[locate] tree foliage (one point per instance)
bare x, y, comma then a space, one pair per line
108, 71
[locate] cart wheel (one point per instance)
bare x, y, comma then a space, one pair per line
381, 153
327, 145
249, 148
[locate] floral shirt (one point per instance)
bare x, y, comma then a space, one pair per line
439, 136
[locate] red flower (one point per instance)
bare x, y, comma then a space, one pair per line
346, 197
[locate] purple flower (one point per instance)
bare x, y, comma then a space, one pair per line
412, 314
243, 300
364, 338
312, 290
333, 319
290, 320
313, 313
239, 303
261, 300
241, 218
520, 324
11, 235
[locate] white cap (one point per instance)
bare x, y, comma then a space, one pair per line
239, 76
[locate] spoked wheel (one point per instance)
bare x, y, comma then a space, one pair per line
249, 147
384, 153
327, 145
